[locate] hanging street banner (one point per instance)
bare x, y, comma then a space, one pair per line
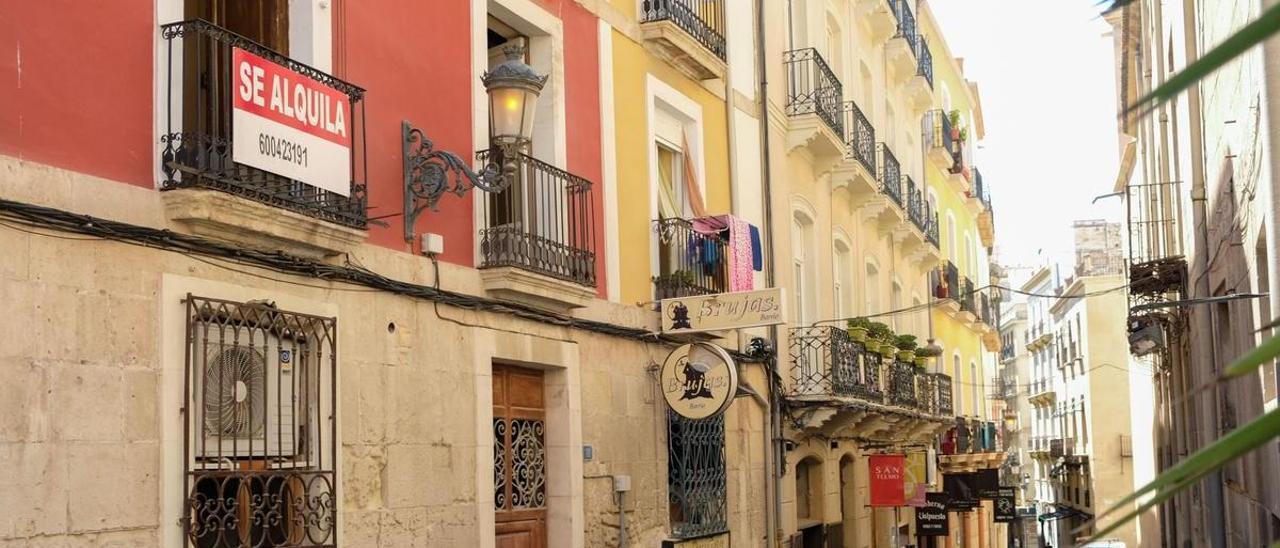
914, 482
986, 483
931, 519
961, 490
699, 380
288, 124
1005, 510
722, 311
887, 473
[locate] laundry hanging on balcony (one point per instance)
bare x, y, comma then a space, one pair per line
743, 252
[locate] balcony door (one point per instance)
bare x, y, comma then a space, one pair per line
207, 90
519, 458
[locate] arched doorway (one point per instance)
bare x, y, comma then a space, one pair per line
809, 513
848, 501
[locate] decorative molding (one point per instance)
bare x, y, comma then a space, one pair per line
260, 226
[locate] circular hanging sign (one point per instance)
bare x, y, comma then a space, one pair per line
699, 380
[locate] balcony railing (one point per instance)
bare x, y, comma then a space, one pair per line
906, 22
689, 263
198, 128
890, 174
937, 130
813, 88
861, 137
931, 230
702, 19
945, 397
917, 207
542, 223
825, 361
924, 60
967, 296
902, 384
980, 191
986, 310
946, 281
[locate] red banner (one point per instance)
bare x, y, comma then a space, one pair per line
887, 486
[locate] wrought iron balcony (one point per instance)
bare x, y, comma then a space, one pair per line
967, 296
902, 384
826, 362
689, 263
198, 127
917, 207
945, 396
702, 19
946, 281
542, 223
889, 174
939, 138
924, 61
931, 230
861, 137
906, 22
813, 88
980, 191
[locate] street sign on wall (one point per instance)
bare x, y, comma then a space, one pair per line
289, 124
1006, 512
699, 380
887, 473
722, 311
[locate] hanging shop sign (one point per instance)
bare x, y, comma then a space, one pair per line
986, 483
887, 472
931, 519
699, 380
289, 124
961, 490
1006, 512
722, 311
915, 481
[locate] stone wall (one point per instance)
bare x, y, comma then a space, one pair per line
86, 424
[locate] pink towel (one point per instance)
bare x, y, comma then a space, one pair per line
740, 256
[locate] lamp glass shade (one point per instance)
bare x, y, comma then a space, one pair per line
511, 111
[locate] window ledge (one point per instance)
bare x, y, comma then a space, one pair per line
260, 226
535, 289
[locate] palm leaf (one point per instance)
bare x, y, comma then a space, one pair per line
1262, 354
1195, 467
1251, 35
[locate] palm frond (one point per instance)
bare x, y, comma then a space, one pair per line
1244, 39
1263, 353
1235, 444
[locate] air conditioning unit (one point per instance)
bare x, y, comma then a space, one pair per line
245, 396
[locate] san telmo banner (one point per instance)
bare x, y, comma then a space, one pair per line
887, 473
915, 481
722, 311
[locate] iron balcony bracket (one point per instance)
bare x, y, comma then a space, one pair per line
430, 173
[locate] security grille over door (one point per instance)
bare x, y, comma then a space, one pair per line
519, 458
696, 475
259, 417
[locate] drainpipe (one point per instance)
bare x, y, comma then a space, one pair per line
773, 430
1204, 364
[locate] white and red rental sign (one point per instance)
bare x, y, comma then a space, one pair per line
288, 124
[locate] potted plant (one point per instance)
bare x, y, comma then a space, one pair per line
858, 329
954, 117
922, 362
877, 335
964, 134
906, 347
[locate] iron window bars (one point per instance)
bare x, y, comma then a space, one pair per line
543, 222
689, 263
198, 135
861, 137
703, 20
260, 438
813, 88
890, 174
696, 476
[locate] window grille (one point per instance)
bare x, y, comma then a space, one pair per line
696, 475
259, 440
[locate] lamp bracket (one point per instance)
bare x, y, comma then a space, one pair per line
430, 173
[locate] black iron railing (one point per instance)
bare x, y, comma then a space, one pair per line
980, 190
924, 60
543, 222
689, 263
861, 136
985, 308
813, 88
946, 281
906, 28
826, 361
198, 134
945, 397
917, 207
967, 296
889, 174
937, 130
927, 393
931, 230
902, 384
261, 442
696, 475
702, 19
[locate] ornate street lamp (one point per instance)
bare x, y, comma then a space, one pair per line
513, 89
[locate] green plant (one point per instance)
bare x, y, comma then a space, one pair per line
906, 342
860, 323
964, 134
880, 332
954, 117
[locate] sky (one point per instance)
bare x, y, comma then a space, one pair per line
1045, 72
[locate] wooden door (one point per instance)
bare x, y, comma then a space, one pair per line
519, 458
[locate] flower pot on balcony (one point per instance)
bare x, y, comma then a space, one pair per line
887, 351
858, 334
921, 362
906, 356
